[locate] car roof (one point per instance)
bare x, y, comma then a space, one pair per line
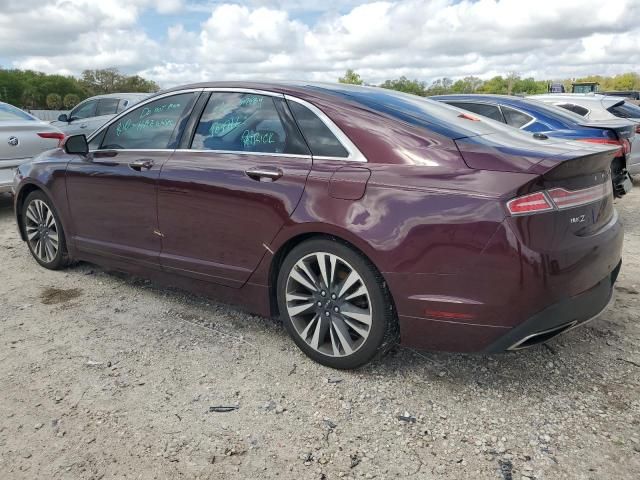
590, 99
412, 109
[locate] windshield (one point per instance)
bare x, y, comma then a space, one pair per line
9, 112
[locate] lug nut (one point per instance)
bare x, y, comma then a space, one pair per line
319, 304
333, 296
336, 309
326, 314
323, 293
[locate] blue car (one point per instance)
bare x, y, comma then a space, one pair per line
549, 121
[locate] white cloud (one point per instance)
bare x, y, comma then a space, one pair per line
259, 39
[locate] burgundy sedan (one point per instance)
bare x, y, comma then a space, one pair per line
359, 216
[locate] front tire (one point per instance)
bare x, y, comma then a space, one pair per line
335, 304
43, 230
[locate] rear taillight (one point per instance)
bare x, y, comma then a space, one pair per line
606, 141
564, 198
532, 203
58, 135
558, 199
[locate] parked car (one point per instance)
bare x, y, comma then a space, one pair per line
22, 136
594, 107
93, 112
543, 119
358, 215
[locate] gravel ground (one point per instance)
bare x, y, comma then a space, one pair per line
107, 376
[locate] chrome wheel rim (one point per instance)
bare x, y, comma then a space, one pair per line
42, 231
329, 304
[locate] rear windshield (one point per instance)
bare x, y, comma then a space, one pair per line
415, 110
9, 112
625, 110
555, 112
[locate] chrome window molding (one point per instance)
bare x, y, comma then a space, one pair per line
354, 154
225, 152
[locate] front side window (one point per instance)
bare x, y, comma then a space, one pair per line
155, 125
84, 110
321, 141
490, 111
515, 118
107, 106
245, 122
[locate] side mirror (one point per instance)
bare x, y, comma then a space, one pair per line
63, 118
76, 144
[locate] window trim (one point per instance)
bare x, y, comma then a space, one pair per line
354, 153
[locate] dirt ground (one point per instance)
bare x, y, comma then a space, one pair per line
107, 376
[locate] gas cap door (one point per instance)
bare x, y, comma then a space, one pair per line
349, 183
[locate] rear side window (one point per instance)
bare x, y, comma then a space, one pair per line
582, 111
245, 122
625, 110
321, 141
155, 125
491, 111
107, 106
515, 118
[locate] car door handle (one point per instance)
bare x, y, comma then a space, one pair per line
84, 125
264, 173
138, 165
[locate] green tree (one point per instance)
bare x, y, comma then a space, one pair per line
351, 77
136, 83
70, 100
403, 84
54, 101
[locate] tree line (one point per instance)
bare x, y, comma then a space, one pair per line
511, 84
32, 90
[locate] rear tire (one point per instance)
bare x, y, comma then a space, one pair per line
43, 230
335, 304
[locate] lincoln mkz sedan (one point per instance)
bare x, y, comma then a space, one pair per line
361, 217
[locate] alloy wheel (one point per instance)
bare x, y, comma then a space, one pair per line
42, 231
329, 304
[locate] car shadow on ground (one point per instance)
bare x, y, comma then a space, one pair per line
583, 353
6, 205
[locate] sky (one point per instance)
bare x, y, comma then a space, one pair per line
182, 41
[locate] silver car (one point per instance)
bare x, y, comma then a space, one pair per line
598, 108
22, 136
94, 112
593, 106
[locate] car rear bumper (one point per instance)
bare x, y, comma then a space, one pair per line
560, 317
510, 291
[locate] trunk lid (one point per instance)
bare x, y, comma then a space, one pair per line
20, 140
575, 178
